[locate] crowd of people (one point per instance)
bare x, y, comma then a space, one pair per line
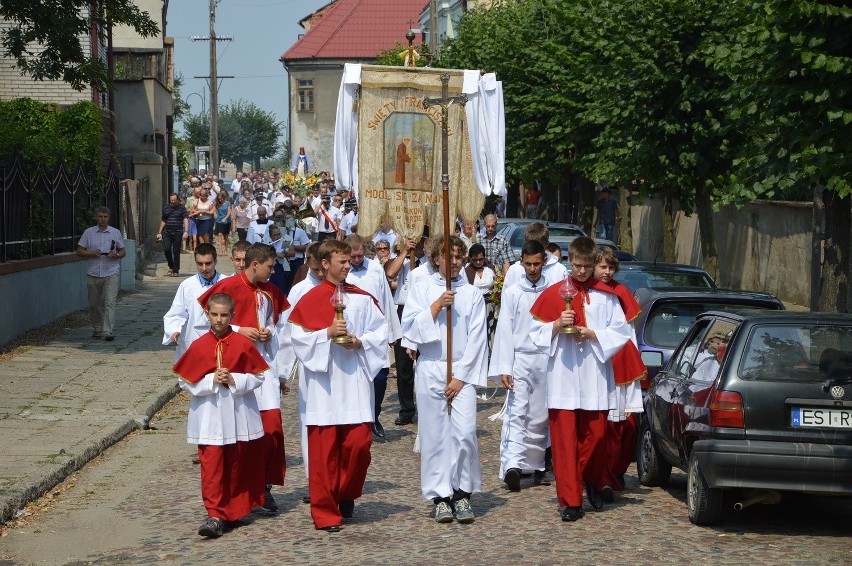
360, 307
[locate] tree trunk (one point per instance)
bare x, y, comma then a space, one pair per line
834, 286
625, 232
707, 233
668, 227
587, 203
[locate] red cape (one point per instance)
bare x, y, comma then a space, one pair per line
244, 294
550, 304
627, 364
314, 311
237, 352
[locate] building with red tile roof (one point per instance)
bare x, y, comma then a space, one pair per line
343, 31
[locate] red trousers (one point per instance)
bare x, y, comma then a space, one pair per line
231, 478
275, 461
579, 452
620, 448
338, 458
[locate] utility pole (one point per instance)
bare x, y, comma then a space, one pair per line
214, 88
214, 95
433, 28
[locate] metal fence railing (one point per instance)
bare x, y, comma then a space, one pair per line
44, 212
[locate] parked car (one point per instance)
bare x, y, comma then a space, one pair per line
637, 274
752, 405
560, 234
667, 314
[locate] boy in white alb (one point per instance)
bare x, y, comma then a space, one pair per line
338, 382
221, 369
522, 370
450, 470
580, 382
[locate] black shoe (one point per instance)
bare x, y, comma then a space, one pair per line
346, 508
622, 481
331, 529
306, 499
269, 504
538, 478
571, 514
402, 421
378, 430
212, 528
513, 479
108, 337
594, 496
607, 494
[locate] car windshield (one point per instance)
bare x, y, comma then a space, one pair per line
668, 322
794, 352
650, 278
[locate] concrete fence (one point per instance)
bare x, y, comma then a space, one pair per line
38, 291
763, 246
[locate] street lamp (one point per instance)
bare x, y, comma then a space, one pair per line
203, 100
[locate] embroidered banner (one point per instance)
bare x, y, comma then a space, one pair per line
399, 152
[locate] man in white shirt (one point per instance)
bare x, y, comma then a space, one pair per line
103, 246
186, 321
350, 219
258, 228
328, 218
236, 183
259, 201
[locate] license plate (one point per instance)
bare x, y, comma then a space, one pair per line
824, 418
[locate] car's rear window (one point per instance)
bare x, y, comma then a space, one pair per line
792, 352
668, 322
649, 278
565, 232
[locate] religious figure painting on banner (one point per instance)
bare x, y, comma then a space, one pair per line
409, 147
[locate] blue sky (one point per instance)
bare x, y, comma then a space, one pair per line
262, 31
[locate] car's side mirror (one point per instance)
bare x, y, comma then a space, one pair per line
652, 359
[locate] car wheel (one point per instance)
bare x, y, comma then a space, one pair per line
652, 469
705, 504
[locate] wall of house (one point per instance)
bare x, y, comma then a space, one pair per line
126, 36
315, 130
763, 246
13, 85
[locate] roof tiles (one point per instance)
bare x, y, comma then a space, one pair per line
357, 29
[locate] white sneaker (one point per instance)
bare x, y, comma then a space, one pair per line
443, 513
464, 514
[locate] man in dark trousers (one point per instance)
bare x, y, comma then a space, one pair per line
174, 226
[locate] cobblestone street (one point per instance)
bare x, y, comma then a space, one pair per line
140, 503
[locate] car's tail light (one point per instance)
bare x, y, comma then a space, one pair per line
726, 409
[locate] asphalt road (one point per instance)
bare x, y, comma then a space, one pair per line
140, 503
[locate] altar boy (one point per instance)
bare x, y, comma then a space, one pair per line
221, 369
580, 386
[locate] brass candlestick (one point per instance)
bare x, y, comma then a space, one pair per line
338, 301
568, 292
569, 329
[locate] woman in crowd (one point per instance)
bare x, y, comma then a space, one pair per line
224, 211
240, 217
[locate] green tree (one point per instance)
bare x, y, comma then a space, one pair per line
790, 65
197, 129
246, 133
44, 39
180, 107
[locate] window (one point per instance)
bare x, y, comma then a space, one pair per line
306, 95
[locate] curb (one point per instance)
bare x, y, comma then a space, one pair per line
33, 491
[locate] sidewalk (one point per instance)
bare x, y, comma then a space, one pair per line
63, 403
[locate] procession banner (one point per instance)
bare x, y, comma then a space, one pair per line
399, 152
